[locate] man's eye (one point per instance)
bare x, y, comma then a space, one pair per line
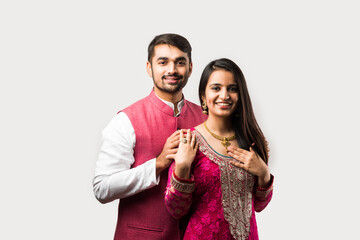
181, 63
162, 62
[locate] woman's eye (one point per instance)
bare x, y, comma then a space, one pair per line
215, 88
233, 89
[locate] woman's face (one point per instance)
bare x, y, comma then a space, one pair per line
221, 93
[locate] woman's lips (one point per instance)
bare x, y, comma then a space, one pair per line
224, 104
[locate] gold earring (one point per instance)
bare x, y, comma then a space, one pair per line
204, 107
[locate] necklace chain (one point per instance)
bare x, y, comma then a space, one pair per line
224, 140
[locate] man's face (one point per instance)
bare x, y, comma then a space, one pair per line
170, 69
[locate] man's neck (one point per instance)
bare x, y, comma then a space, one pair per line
174, 98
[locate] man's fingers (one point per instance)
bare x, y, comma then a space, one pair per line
170, 156
174, 144
173, 151
177, 132
174, 136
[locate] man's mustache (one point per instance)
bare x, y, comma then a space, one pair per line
171, 75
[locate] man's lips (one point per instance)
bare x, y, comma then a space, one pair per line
171, 79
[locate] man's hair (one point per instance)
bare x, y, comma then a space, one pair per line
170, 39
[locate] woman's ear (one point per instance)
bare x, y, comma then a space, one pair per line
203, 99
204, 106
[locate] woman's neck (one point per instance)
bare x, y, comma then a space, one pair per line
220, 126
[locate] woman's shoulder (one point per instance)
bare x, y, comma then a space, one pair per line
197, 128
201, 131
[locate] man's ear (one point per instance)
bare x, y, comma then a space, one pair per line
190, 68
148, 69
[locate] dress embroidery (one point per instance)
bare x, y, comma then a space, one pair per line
182, 187
237, 191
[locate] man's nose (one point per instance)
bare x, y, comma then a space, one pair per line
171, 68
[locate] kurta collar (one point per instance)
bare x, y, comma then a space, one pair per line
165, 106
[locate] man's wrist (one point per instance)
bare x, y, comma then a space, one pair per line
161, 165
159, 168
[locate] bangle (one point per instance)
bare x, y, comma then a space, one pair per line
182, 179
181, 186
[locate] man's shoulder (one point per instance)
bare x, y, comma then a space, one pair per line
196, 111
193, 105
136, 105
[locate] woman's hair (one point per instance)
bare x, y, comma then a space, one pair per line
243, 119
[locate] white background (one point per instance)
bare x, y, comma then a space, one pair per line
67, 67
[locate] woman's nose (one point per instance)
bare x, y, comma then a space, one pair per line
224, 94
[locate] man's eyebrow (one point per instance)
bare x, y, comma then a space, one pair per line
176, 60
162, 58
181, 59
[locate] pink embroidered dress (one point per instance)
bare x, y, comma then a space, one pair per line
221, 199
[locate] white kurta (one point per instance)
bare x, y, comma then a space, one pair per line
114, 178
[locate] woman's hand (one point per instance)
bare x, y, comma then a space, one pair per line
251, 162
185, 154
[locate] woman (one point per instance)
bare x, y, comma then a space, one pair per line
220, 174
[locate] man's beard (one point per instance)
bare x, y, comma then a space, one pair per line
172, 88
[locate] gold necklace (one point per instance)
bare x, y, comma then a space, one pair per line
224, 140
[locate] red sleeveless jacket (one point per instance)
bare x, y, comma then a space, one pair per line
144, 215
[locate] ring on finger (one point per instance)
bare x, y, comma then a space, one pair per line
184, 140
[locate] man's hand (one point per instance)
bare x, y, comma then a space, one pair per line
170, 147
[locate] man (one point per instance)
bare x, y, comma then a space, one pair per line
132, 164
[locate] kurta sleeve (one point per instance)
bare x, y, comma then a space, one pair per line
178, 194
114, 178
263, 196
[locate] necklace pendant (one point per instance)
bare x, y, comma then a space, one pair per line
224, 140
225, 143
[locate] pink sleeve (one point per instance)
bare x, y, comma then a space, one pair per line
263, 196
178, 195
